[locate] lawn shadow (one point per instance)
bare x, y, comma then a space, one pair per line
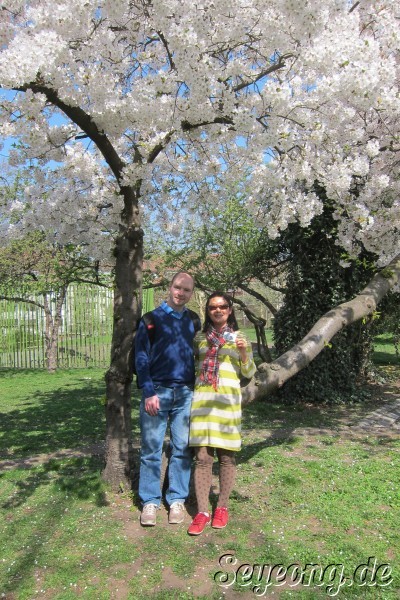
76, 477
67, 482
47, 421
273, 414
381, 357
283, 425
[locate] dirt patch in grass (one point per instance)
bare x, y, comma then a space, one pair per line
199, 583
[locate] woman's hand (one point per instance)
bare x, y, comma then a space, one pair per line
241, 345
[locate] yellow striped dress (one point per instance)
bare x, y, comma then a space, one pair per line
215, 418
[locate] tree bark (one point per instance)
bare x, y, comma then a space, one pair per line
119, 470
272, 376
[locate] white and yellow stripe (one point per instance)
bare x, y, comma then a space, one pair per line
216, 415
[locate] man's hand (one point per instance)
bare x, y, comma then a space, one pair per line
152, 405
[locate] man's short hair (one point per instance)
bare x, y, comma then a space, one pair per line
181, 273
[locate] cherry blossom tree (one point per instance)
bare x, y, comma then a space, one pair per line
141, 111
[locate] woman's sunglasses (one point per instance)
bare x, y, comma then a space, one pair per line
220, 306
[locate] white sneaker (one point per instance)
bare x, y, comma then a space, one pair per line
149, 515
176, 513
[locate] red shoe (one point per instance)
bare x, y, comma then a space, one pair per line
198, 523
220, 518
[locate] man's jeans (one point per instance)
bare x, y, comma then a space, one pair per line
175, 405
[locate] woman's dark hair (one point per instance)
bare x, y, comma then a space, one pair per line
231, 319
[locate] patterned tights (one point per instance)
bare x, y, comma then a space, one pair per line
203, 475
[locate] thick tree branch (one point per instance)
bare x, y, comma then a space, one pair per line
273, 375
84, 121
186, 126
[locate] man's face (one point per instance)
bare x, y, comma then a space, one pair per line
180, 291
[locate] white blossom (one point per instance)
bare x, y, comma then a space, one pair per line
194, 97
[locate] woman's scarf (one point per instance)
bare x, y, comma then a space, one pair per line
210, 368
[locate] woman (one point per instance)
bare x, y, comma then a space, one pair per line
224, 356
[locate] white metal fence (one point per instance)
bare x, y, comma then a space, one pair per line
84, 336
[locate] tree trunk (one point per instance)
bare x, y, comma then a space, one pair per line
119, 469
50, 350
52, 329
273, 375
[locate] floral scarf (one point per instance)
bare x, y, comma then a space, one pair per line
209, 373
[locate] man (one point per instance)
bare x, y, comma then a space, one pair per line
165, 370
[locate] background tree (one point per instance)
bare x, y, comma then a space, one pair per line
36, 272
230, 251
164, 104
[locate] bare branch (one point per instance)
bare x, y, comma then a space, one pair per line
19, 299
275, 67
353, 7
164, 42
259, 297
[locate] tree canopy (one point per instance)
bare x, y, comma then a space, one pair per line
174, 100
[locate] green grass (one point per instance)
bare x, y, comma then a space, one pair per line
251, 334
308, 490
43, 412
385, 350
58, 534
